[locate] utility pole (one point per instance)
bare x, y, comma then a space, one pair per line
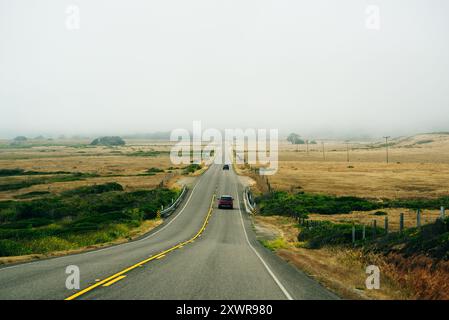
324, 154
347, 151
307, 144
386, 146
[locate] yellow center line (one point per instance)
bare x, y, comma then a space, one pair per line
114, 281
139, 264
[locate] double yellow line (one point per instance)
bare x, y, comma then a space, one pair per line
120, 275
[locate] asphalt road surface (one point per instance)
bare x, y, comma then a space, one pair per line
212, 254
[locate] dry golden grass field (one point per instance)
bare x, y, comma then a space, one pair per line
418, 168
340, 269
124, 165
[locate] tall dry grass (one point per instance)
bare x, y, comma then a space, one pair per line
423, 277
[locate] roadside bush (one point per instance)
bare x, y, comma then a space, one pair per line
192, 168
11, 248
82, 217
300, 204
328, 233
431, 240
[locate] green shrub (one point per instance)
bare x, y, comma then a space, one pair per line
275, 244
95, 189
300, 204
328, 233
431, 240
12, 248
192, 168
16, 185
154, 170
10, 172
48, 244
419, 203
27, 223
32, 194
21, 172
8, 214
79, 218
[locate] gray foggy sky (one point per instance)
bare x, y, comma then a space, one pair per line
142, 66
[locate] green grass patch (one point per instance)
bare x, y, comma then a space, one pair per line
79, 217
301, 204
32, 194
273, 245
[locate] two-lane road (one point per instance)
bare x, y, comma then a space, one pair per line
224, 262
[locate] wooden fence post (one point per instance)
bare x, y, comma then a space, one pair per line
374, 228
364, 232
353, 234
386, 225
442, 213
418, 218
401, 222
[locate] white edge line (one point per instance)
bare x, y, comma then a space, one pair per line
284, 291
112, 246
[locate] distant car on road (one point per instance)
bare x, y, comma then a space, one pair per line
226, 167
226, 201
